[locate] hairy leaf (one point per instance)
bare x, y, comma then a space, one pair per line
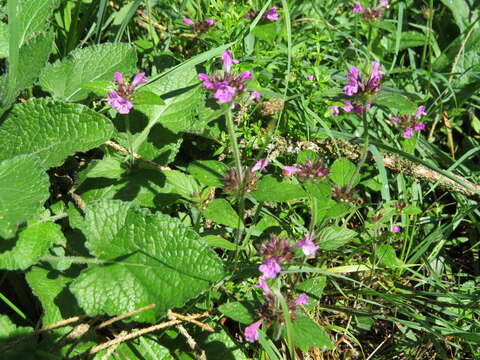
66, 78
52, 130
23, 190
32, 244
149, 259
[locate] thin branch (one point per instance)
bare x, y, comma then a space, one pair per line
125, 315
120, 148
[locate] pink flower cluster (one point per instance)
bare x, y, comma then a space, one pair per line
360, 90
227, 86
370, 13
201, 26
311, 171
120, 99
411, 123
275, 253
271, 14
236, 186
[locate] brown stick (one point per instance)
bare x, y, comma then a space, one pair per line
125, 315
120, 148
135, 334
390, 161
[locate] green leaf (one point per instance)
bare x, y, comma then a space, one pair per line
182, 184
395, 101
215, 241
313, 287
342, 171
271, 189
29, 45
321, 190
32, 244
9, 333
208, 172
182, 97
52, 130
23, 190
243, 312
386, 255
307, 334
408, 39
99, 88
109, 167
149, 259
50, 287
266, 32
221, 212
144, 97
66, 79
32, 55
144, 348
3, 40
332, 237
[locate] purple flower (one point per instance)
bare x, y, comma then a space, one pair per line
210, 22
271, 14
255, 95
420, 112
375, 77
408, 133
188, 21
228, 85
311, 171
419, 126
263, 284
357, 7
290, 170
228, 61
224, 92
310, 77
348, 106
384, 4
307, 245
270, 268
395, 229
301, 300
335, 110
411, 123
251, 331
120, 99
119, 103
353, 78
261, 165
201, 26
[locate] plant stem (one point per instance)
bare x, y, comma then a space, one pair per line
129, 139
238, 168
363, 158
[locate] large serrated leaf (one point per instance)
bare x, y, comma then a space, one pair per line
182, 97
52, 130
48, 286
32, 244
32, 17
23, 190
65, 78
149, 259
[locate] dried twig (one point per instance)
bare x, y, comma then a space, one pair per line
193, 321
125, 315
125, 337
120, 148
390, 161
199, 353
112, 349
